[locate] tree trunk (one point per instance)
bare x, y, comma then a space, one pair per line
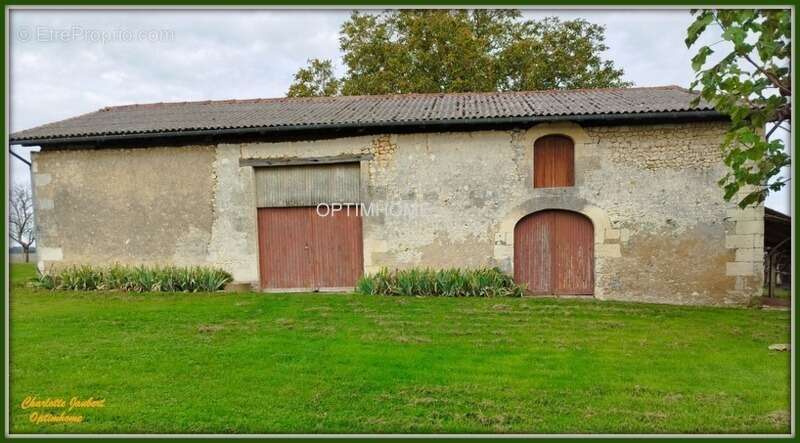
27, 251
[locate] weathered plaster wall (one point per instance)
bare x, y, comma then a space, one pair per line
658, 185
124, 205
663, 233
662, 230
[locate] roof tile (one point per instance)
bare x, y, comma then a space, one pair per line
368, 110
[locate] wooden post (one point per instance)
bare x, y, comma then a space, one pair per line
769, 275
771, 256
772, 275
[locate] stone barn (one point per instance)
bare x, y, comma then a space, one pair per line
610, 193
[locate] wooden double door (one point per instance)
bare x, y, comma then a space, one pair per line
301, 248
554, 253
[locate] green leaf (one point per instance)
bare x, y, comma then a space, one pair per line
730, 190
748, 96
751, 198
418, 51
735, 35
747, 136
700, 59
697, 27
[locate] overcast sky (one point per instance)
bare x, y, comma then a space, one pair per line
65, 63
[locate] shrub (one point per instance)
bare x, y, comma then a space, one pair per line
484, 282
135, 279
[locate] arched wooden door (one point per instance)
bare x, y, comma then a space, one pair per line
554, 253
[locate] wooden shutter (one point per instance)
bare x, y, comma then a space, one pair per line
553, 162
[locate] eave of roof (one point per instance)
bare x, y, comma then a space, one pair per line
454, 124
301, 116
777, 215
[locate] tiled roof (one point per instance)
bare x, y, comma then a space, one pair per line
375, 110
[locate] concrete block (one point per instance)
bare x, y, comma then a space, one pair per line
45, 203
750, 227
50, 254
42, 179
501, 238
738, 241
612, 234
608, 250
749, 254
503, 251
738, 268
745, 214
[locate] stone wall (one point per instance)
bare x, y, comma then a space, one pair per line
124, 206
663, 233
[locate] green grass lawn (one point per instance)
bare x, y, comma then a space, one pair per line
22, 272
313, 363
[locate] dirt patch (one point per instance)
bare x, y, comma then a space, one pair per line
287, 323
778, 418
414, 339
210, 329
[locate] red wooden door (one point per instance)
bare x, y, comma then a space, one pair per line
553, 162
284, 245
572, 254
554, 253
300, 249
337, 251
534, 268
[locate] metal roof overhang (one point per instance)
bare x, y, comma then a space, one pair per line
422, 125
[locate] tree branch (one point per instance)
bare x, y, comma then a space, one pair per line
769, 75
777, 125
21, 229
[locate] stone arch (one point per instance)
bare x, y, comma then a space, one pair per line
557, 209
504, 237
555, 133
567, 129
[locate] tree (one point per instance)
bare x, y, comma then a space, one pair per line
315, 80
751, 83
21, 228
407, 51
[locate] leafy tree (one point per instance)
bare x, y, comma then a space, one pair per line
410, 51
751, 83
315, 80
